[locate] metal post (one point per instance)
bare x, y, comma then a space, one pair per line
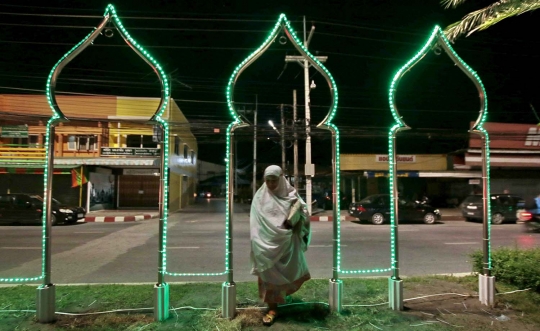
485, 212
295, 143
236, 170
486, 282
255, 149
228, 288
282, 134
353, 191
395, 284
161, 289
309, 170
336, 285
46, 293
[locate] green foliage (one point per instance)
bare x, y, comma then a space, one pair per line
513, 266
486, 17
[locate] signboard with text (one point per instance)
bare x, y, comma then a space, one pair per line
14, 131
375, 174
399, 158
129, 151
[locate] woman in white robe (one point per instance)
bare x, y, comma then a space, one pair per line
280, 234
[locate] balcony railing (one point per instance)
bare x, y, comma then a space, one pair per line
18, 153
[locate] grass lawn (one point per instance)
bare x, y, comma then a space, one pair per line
431, 303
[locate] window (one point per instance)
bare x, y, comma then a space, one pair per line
140, 141
186, 149
5, 201
31, 141
22, 201
507, 201
193, 157
87, 143
81, 143
176, 145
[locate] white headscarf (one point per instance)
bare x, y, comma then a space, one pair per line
284, 190
270, 240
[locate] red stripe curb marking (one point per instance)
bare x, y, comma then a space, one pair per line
110, 219
330, 218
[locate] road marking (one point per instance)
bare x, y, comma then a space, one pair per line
185, 247
20, 247
197, 231
465, 243
324, 246
90, 232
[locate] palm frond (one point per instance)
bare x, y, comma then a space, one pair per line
451, 3
488, 16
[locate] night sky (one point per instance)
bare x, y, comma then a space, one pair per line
199, 43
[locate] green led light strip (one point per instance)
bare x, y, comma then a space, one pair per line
437, 38
282, 24
109, 16
227, 232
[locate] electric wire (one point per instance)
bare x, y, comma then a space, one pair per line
284, 305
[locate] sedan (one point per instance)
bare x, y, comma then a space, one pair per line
376, 209
21, 208
530, 218
503, 208
61, 212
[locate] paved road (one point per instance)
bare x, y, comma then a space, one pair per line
127, 252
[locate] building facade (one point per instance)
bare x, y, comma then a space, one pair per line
106, 156
418, 174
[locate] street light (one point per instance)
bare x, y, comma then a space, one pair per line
282, 135
273, 126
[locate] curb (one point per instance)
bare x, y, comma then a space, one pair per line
330, 218
350, 218
110, 219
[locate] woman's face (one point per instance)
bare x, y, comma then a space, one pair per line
271, 182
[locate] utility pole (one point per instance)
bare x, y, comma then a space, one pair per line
295, 143
282, 141
255, 149
309, 169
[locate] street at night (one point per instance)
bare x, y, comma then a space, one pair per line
128, 252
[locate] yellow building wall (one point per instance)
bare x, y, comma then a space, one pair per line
137, 107
180, 127
119, 110
73, 107
423, 162
174, 193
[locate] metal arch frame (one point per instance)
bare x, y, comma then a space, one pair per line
437, 40
45, 306
228, 298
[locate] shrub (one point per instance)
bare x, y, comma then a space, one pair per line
514, 266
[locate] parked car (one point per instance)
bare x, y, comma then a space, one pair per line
327, 203
28, 209
376, 209
323, 199
503, 208
530, 218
